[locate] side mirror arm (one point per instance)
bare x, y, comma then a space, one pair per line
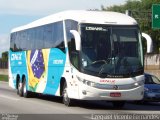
77, 39
149, 42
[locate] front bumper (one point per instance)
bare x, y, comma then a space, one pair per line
91, 93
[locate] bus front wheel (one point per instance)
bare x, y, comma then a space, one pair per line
66, 100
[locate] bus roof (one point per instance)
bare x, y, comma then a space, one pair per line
81, 16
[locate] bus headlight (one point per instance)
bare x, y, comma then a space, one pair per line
139, 83
93, 84
86, 82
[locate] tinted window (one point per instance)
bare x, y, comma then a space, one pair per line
151, 79
23, 41
17, 39
71, 25
29, 39
58, 35
12, 41
53, 35
39, 43
148, 79
47, 36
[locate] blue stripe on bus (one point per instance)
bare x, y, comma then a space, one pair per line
52, 71
18, 65
56, 65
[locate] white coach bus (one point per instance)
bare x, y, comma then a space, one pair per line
84, 55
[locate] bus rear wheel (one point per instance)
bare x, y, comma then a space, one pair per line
66, 100
26, 93
20, 89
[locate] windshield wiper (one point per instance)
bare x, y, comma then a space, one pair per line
98, 61
101, 70
102, 67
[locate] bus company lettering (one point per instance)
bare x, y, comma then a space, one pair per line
96, 28
16, 56
107, 81
57, 61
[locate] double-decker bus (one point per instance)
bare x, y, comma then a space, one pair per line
85, 55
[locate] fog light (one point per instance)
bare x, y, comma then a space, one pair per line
84, 92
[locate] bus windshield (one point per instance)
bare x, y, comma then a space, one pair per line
111, 51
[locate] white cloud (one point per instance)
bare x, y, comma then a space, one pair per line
40, 7
4, 43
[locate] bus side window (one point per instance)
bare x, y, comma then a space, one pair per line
58, 36
72, 46
72, 52
16, 42
71, 25
12, 41
74, 59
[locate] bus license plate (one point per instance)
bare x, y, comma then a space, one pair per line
117, 94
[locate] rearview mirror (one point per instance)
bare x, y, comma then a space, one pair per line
149, 42
77, 39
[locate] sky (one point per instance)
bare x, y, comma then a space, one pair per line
14, 13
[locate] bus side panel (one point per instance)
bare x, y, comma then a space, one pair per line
17, 66
56, 65
37, 69
45, 69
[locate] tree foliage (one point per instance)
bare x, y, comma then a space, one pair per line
142, 11
5, 56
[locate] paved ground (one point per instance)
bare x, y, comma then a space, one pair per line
49, 107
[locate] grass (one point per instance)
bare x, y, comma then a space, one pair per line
4, 78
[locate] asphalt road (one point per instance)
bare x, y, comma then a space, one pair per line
49, 107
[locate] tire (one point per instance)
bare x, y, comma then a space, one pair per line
26, 93
66, 100
20, 89
17, 88
118, 104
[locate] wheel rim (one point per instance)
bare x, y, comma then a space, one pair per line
66, 100
65, 96
24, 89
19, 87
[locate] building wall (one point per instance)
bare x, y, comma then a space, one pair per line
152, 64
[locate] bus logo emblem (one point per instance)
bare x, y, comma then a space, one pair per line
115, 87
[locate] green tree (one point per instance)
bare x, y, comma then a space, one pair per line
5, 56
142, 12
